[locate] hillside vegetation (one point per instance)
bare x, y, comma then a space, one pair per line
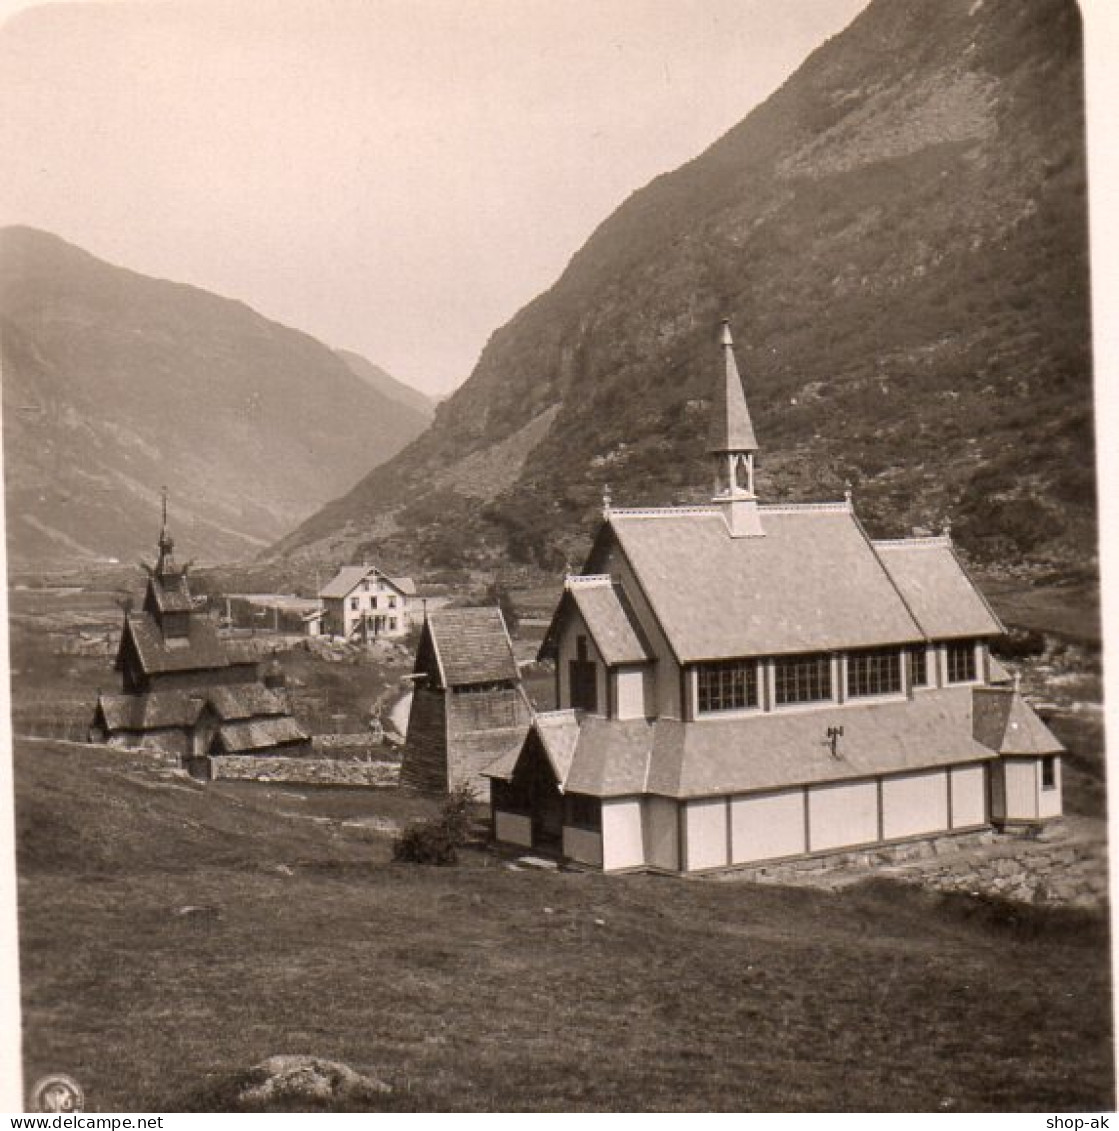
898, 236
115, 384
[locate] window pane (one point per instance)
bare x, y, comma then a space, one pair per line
730, 685
918, 667
876, 672
803, 679
961, 661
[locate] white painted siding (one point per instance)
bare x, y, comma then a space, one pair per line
767, 825
623, 845
706, 834
583, 846
630, 692
662, 833
1049, 800
1021, 777
513, 828
841, 815
969, 796
914, 804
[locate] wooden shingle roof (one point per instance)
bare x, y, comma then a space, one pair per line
157, 710
606, 611
936, 588
240, 701
812, 583
1006, 723
731, 428
260, 734
199, 650
471, 646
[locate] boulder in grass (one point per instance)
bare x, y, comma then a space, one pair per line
292, 1082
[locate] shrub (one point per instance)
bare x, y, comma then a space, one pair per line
437, 841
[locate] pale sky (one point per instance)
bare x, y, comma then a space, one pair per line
397, 177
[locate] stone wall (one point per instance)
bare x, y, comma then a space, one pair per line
305, 771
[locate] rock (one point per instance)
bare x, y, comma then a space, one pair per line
296, 1080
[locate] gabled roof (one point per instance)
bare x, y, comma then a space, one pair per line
155, 711
170, 593
606, 611
731, 429
558, 732
348, 578
259, 734
200, 650
1007, 724
471, 646
811, 584
936, 588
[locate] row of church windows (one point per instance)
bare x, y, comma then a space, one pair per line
732, 685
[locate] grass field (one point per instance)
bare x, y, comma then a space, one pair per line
484, 989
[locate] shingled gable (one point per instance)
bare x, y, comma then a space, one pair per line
200, 649
934, 584
609, 617
813, 583
471, 646
1005, 723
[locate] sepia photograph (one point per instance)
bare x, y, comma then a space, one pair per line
553, 557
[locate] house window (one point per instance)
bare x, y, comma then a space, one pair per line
355, 602
583, 813
392, 602
961, 661
918, 660
730, 685
365, 586
876, 671
372, 602
392, 624
1049, 772
803, 679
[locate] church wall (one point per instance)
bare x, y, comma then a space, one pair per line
1049, 800
705, 824
582, 846
575, 627
969, 796
914, 804
662, 833
622, 842
631, 686
767, 826
512, 828
1020, 777
842, 815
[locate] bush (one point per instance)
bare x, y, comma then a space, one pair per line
437, 841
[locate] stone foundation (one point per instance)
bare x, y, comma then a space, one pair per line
305, 771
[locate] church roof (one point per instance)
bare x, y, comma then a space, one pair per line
771, 750
606, 612
472, 646
1005, 722
936, 588
348, 578
171, 593
157, 710
240, 701
812, 583
260, 734
199, 650
731, 428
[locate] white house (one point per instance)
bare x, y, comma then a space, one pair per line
362, 603
741, 683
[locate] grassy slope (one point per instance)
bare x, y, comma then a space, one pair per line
460, 989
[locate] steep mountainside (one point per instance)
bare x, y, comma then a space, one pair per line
115, 384
387, 384
898, 236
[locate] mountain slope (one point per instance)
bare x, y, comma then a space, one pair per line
115, 384
386, 384
899, 238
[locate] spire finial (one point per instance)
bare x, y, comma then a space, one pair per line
727, 340
606, 500
847, 494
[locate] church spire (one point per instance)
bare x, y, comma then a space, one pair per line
732, 445
166, 562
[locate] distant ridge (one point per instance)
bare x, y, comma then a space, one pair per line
387, 385
115, 384
899, 238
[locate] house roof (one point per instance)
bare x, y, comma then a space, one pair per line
472, 646
348, 578
812, 583
157, 710
731, 429
200, 649
936, 588
259, 734
609, 618
1005, 722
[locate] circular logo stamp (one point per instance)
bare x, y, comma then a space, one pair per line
57, 1093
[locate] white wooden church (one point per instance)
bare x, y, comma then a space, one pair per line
741, 683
